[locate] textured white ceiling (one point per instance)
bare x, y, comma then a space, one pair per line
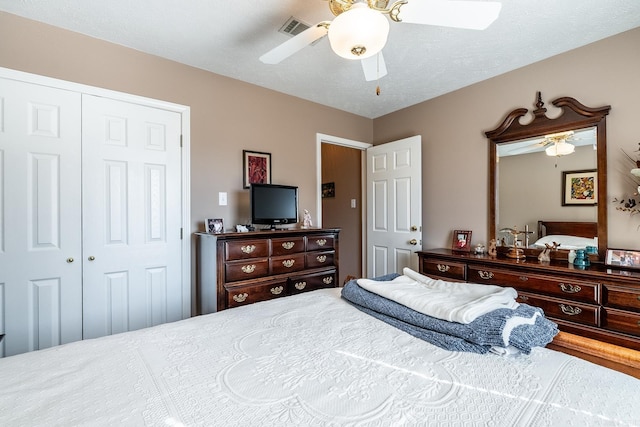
423, 62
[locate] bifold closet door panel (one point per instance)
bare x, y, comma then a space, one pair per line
40, 216
131, 216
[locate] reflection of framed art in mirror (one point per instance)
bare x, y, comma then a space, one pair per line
580, 188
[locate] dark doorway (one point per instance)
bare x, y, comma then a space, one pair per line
342, 203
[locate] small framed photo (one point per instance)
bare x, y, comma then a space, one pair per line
328, 190
623, 258
256, 168
580, 188
214, 225
461, 241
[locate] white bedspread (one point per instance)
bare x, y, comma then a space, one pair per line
306, 360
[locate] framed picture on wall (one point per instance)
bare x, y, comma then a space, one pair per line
461, 241
580, 188
256, 168
328, 190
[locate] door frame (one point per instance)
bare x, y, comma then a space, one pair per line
358, 145
185, 114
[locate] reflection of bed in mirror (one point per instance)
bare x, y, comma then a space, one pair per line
569, 234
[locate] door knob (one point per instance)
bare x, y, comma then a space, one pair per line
413, 241
414, 228
69, 260
91, 258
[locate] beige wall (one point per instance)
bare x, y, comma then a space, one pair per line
227, 115
455, 151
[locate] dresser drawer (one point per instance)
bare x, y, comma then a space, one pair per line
289, 245
616, 296
287, 264
575, 290
320, 242
320, 259
444, 269
246, 249
312, 282
243, 295
248, 269
562, 309
622, 321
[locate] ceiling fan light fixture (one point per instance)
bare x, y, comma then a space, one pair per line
358, 33
560, 149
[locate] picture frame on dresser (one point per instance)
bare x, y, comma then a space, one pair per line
256, 168
623, 258
214, 225
461, 241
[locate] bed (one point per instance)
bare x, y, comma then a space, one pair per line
570, 234
305, 360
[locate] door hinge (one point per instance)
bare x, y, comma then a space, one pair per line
180, 141
181, 232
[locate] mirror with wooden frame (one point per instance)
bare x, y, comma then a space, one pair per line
573, 119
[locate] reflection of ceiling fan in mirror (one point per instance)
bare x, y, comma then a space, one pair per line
554, 145
360, 28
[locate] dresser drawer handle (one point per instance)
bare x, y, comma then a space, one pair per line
248, 249
288, 262
569, 310
288, 245
638, 298
486, 275
568, 288
327, 280
443, 268
249, 268
277, 290
321, 258
300, 285
523, 297
523, 278
240, 297
321, 242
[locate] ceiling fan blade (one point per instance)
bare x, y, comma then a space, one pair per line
374, 67
473, 15
293, 45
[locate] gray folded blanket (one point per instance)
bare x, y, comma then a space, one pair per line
478, 336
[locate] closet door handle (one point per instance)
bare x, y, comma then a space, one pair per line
70, 260
92, 258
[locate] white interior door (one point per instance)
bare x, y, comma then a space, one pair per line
40, 216
131, 216
394, 206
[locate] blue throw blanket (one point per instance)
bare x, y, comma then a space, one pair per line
478, 336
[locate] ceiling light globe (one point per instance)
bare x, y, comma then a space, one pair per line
560, 149
359, 32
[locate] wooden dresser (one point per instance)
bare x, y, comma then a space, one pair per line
597, 302
236, 269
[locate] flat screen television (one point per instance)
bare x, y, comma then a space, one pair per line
273, 205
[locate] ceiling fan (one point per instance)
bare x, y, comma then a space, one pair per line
555, 145
360, 29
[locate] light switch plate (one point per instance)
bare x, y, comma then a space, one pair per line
222, 198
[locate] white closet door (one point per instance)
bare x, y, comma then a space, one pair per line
40, 214
131, 216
